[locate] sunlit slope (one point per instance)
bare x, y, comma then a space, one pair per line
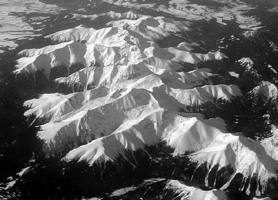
209, 145
133, 94
166, 189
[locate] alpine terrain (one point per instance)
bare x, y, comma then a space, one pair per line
139, 99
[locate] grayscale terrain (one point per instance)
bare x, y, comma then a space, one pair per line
139, 99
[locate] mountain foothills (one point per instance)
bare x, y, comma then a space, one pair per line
150, 100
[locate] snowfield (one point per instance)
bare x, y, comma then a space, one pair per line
139, 99
132, 93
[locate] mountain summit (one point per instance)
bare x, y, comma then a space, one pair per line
156, 97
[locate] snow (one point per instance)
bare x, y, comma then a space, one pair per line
16, 26
68, 113
244, 155
267, 90
133, 94
119, 77
266, 198
78, 33
134, 37
185, 192
247, 63
207, 143
172, 188
270, 144
188, 10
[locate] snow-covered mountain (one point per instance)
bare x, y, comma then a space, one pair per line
132, 94
170, 189
145, 79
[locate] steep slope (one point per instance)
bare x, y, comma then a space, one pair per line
209, 145
118, 77
129, 94
166, 189
132, 38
